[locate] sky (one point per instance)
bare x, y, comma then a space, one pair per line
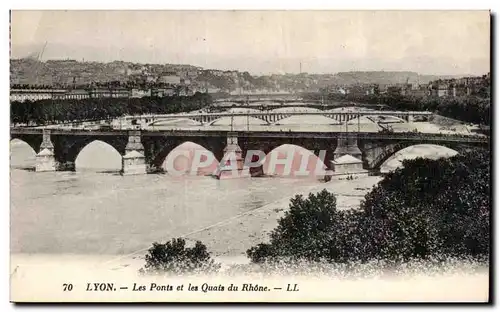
264, 42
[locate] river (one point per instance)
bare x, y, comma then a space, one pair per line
97, 211
93, 212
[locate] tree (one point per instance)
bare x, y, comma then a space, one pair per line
53, 111
307, 231
429, 209
174, 257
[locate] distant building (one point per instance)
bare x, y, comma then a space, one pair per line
73, 95
185, 81
170, 79
188, 74
215, 72
418, 92
133, 72
22, 95
443, 90
163, 92
109, 93
439, 89
138, 93
360, 90
211, 90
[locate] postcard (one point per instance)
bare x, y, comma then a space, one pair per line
250, 156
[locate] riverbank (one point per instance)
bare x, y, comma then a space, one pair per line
234, 236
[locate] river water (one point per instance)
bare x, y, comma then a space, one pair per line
94, 212
97, 211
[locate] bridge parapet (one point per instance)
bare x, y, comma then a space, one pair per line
472, 138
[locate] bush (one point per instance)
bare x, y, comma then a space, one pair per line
355, 269
428, 209
309, 230
174, 257
53, 111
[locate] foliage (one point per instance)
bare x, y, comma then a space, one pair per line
427, 209
309, 230
53, 111
431, 207
174, 257
357, 269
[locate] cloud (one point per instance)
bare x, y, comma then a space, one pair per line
265, 41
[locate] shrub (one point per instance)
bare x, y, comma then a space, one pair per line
430, 208
309, 230
427, 209
174, 257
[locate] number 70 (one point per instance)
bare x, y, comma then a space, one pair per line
67, 287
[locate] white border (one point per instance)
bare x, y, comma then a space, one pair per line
185, 4
258, 4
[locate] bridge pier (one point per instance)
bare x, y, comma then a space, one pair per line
232, 164
411, 118
134, 161
347, 146
45, 159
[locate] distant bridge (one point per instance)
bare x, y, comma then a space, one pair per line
273, 117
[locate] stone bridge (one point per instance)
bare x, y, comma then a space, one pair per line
145, 151
271, 117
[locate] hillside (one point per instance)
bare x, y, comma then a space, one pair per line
68, 72
384, 77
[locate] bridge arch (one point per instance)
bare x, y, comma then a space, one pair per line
22, 154
362, 119
21, 142
34, 141
66, 150
389, 158
181, 121
308, 119
183, 158
98, 155
300, 162
239, 121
